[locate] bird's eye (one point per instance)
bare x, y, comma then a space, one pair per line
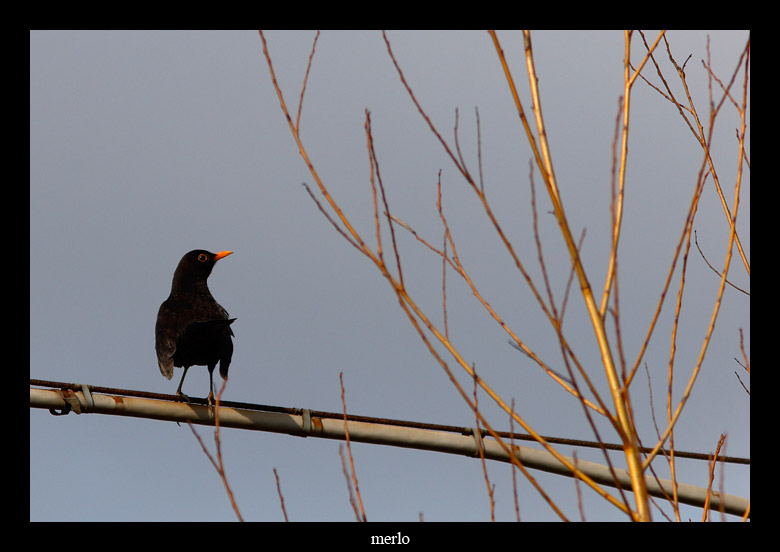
203, 257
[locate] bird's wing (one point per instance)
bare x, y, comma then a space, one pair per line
225, 314
165, 340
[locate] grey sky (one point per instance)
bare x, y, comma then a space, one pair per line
145, 145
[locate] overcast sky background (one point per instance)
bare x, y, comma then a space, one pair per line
145, 145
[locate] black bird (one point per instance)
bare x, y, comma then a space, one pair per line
192, 328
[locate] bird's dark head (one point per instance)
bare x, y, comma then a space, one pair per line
195, 267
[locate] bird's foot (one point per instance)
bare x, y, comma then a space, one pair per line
211, 404
181, 397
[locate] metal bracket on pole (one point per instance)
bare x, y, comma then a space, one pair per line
306, 427
72, 402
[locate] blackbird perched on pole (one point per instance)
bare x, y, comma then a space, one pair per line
192, 328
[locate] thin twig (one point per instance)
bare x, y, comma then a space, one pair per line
350, 488
490, 488
218, 464
713, 462
479, 153
305, 80
746, 364
375, 166
512, 467
281, 497
578, 491
538, 241
715, 270
362, 516
443, 264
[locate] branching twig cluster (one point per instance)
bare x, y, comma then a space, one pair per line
603, 310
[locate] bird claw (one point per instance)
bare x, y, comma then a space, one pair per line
181, 397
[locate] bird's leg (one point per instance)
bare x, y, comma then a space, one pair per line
211, 388
179, 394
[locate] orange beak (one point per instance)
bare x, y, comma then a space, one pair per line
221, 254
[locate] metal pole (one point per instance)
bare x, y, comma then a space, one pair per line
327, 428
